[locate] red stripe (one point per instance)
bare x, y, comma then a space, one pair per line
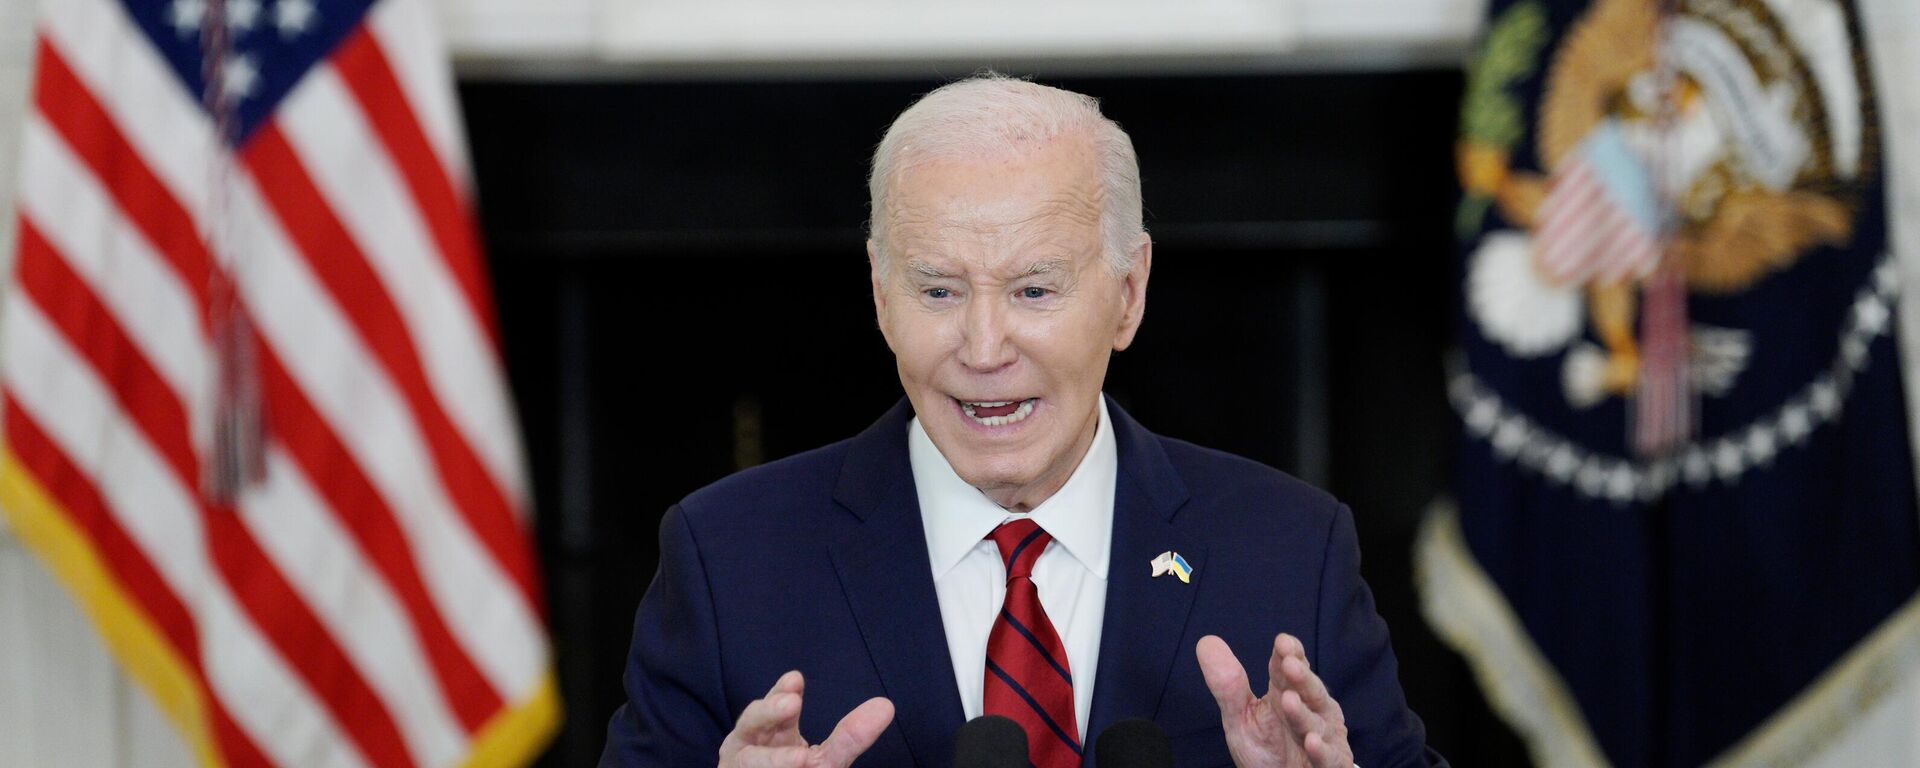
366, 516
338, 263
263, 591
72, 110
369, 76
81, 503
1571, 193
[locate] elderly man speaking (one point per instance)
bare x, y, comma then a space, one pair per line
1006, 541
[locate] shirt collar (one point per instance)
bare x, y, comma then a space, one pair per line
957, 516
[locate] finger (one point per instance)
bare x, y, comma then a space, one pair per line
1285, 646
770, 757
765, 720
856, 733
1225, 677
791, 682
1319, 753
1299, 718
1300, 677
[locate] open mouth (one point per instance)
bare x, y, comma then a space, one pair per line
998, 413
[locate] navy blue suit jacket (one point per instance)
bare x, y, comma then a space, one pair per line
819, 563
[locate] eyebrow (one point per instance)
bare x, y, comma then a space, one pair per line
924, 269
1046, 267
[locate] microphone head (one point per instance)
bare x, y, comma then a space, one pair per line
1133, 743
990, 742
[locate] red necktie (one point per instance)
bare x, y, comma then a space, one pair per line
1027, 676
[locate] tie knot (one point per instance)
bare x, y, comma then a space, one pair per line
1021, 542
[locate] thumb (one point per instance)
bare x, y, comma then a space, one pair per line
1225, 677
856, 733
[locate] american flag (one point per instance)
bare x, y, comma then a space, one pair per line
1598, 221
366, 594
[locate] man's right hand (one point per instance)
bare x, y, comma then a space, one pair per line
768, 734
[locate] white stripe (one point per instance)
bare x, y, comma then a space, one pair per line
408, 32
63, 200
78, 413
294, 526
339, 149
137, 87
352, 393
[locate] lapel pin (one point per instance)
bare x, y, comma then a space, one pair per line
1171, 562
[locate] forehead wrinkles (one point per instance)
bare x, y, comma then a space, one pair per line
1009, 218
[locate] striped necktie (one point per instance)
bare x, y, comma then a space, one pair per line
1027, 676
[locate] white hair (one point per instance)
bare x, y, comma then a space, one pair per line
990, 116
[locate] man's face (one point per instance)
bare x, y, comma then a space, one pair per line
1002, 312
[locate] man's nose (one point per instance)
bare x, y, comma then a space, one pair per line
986, 346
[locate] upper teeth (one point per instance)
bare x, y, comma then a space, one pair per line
1018, 415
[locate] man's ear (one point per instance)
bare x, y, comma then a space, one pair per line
879, 293
1134, 293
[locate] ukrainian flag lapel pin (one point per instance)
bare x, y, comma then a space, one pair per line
1171, 562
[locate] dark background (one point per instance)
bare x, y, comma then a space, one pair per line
683, 293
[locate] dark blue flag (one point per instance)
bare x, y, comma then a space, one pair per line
1685, 489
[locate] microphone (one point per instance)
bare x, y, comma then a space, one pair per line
990, 742
1133, 743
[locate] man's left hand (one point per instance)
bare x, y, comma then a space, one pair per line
1297, 724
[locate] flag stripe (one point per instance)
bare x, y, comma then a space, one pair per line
82, 419
325, 567
78, 219
330, 135
147, 203
368, 74
408, 32
112, 61
262, 589
343, 269
348, 388
135, 574
365, 514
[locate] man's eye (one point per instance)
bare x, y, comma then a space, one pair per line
938, 293
1034, 292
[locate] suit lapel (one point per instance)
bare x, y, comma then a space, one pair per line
1145, 617
880, 556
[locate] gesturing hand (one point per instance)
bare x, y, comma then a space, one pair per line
768, 734
1296, 724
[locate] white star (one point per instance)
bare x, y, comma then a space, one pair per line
1795, 422
1761, 445
1591, 479
238, 77
1620, 483
292, 17
1871, 315
1483, 416
1696, 468
243, 14
1825, 399
185, 15
1728, 462
1561, 465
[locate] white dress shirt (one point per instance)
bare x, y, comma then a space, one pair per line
971, 580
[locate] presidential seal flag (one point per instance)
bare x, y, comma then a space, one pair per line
255, 417
1684, 523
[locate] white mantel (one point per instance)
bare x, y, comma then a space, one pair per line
785, 38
